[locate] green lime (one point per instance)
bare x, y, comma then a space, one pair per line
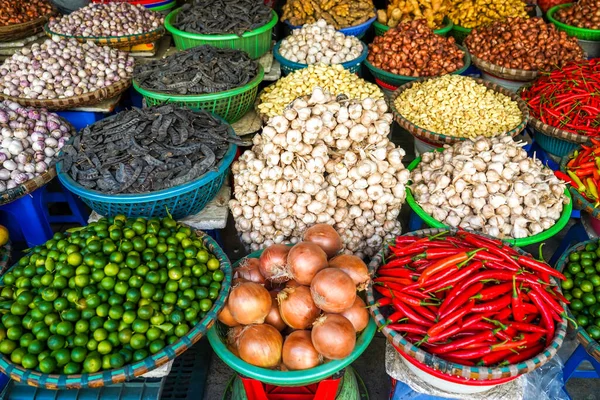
56, 342
138, 341
574, 268
14, 332
181, 330
92, 364
48, 365
145, 312
29, 361
7, 346
140, 326
78, 354
140, 354
72, 368
218, 276
100, 334
104, 347
92, 345
213, 264
117, 360
156, 346
64, 328
129, 316
125, 336
582, 320
17, 355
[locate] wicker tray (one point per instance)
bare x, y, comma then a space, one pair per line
14, 32
85, 99
557, 132
118, 375
590, 345
511, 74
114, 41
440, 139
447, 367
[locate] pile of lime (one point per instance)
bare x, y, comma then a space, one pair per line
106, 295
582, 287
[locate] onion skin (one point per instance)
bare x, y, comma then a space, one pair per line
274, 317
299, 353
260, 345
249, 303
226, 317
354, 267
357, 315
325, 237
333, 336
304, 261
249, 269
333, 291
273, 261
232, 338
297, 308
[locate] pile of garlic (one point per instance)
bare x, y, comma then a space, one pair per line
325, 160
489, 185
320, 43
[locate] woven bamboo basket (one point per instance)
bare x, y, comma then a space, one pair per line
511, 74
118, 375
31, 185
440, 139
590, 345
19, 31
85, 99
113, 41
447, 367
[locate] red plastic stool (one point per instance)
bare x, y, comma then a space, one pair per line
325, 390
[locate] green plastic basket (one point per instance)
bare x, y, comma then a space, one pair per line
540, 237
231, 105
579, 33
399, 80
285, 378
459, 33
381, 29
256, 43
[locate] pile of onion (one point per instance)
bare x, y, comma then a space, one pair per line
314, 312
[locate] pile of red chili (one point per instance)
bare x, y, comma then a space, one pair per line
469, 299
568, 98
583, 171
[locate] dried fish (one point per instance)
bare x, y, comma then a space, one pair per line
144, 150
199, 70
214, 17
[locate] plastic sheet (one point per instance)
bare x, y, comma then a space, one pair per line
545, 383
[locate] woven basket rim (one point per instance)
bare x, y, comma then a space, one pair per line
204, 96
450, 368
85, 99
202, 180
29, 24
439, 138
289, 378
582, 335
135, 369
520, 75
123, 40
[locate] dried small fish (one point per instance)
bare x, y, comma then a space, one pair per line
202, 69
149, 149
214, 17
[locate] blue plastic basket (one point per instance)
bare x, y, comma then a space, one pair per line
358, 30
553, 145
287, 66
179, 201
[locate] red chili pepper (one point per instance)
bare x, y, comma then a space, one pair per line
493, 292
538, 266
558, 295
412, 328
529, 310
517, 311
532, 338
466, 324
487, 256
412, 314
524, 354
394, 317
391, 279
417, 303
441, 265
547, 298
386, 301
502, 265
450, 319
480, 352
547, 319
504, 314
451, 304
396, 272
493, 305
452, 277
525, 327
462, 343
397, 262
565, 178
495, 357
477, 242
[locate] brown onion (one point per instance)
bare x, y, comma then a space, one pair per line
273, 261
333, 290
354, 267
274, 318
304, 261
357, 314
249, 269
249, 303
226, 317
333, 336
326, 237
297, 308
299, 353
292, 284
232, 338
260, 345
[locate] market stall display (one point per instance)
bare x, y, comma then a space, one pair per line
381, 28
147, 157
223, 81
330, 78
563, 106
518, 49
342, 14
319, 43
60, 73
521, 312
413, 50
19, 19
580, 289
401, 11
109, 298
490, 186
582, 172
452, 108
247, 26
322, 160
